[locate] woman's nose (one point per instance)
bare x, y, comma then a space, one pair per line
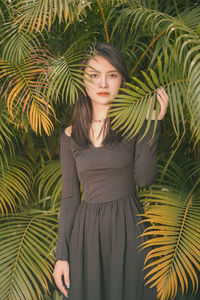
103, 82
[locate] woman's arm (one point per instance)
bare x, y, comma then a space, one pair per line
146, 149
69, 203
70, 197
145, 155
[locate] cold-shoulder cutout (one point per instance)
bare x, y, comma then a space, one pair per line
68, 130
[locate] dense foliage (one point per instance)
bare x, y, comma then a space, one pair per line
41, 44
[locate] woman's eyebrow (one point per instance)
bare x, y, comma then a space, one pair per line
94, 70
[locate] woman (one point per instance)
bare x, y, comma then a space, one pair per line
97, 256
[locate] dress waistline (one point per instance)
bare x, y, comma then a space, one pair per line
122, 198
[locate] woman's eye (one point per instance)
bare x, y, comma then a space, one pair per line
113, 75
94, 75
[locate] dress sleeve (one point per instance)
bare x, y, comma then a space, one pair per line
145, 155
70, 197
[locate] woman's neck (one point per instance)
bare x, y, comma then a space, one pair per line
100, 112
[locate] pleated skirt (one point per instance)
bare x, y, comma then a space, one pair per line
105, 258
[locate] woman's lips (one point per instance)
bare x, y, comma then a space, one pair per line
103, 94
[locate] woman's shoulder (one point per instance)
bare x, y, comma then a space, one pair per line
68, 130
65, 136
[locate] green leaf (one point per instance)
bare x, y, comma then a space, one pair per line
28, 262
15, 181
174, 236
23, 92
40, 14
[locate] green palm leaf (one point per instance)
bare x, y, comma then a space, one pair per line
17, 44
6, 136
194, 98
130, 108
22, 90
138, 17
1, 13
15, 184
36, 15
4, 10
174, 213
113, 2
55, 296
192, 168
66, 77
27, 260
155, 25
48, 183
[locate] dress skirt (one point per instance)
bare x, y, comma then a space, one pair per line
106, 262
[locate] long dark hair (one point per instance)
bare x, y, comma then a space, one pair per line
83, 112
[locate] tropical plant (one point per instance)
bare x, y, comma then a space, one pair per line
41, 42
15, 185
27, 243
173, 208
55, 296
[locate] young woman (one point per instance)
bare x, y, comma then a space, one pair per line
97, 256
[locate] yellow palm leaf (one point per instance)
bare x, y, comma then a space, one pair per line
175, 239
23, 92
36, 15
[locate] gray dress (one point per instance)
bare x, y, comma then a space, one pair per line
98, 235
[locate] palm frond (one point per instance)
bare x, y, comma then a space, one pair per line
155, 24
48, 183
1, 15
36, 15
66, 77
174, 176
4, 10
187, 48
130, 108
55, 296
26, 247
114, 2
15, 185
194, 98
23, 92
17, 44
174, 237
136, 17
192, 168
6, 136
190, 18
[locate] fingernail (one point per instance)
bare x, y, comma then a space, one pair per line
158, 89
68, 286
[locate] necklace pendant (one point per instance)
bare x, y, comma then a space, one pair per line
101, 120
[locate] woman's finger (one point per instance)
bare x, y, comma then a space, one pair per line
161, 92
163, 100
60, 272
66, 278
59, 283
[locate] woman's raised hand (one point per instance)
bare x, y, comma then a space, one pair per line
163, 99
61, 276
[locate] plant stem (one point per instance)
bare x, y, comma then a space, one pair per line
176, 8
104, 21
149, 46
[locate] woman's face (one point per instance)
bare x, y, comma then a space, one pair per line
102, 80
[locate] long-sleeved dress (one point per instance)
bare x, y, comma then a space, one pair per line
98, 235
